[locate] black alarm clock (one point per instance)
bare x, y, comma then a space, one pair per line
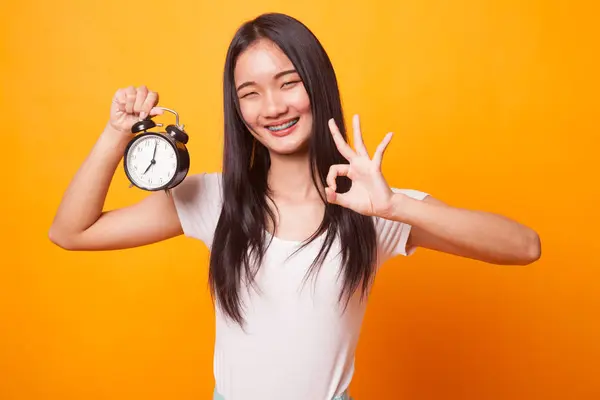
157, 160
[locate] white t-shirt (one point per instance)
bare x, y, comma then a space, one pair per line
297, 343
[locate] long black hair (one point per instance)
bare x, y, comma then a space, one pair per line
240, 238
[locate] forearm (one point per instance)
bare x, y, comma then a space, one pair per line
83, 201
475, 234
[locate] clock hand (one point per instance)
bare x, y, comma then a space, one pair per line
151, 164
153, 156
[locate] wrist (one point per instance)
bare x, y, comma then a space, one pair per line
398, 208
114, 137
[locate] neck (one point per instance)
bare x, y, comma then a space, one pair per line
290, 177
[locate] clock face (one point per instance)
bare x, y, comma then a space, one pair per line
151, 162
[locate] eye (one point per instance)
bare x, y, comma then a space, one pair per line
290, 84
250, 94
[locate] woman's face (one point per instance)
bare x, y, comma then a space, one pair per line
272, 97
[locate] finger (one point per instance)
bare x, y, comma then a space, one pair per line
334, 172
120, 99
359, 145
330, 195
342, 146
156, 111
148, 104
140, 97
130, 94
378, 157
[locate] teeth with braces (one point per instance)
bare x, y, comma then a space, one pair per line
282, 126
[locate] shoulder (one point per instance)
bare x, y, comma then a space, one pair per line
203, 178
204, 184
392, 236
198, 200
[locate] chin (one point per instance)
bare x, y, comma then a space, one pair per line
289, 148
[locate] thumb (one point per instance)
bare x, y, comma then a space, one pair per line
336, 198
156, 111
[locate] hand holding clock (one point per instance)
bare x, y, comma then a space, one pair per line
130, 105
153, 160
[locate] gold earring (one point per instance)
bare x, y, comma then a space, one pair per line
252, 154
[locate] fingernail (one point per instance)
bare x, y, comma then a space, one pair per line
143, 115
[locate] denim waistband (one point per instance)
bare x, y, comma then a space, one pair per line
343, 396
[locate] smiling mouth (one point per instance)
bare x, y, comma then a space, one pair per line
284, 126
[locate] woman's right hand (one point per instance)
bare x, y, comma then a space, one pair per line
81, 222
131, 105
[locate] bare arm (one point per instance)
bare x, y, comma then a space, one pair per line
474, 234
81, 223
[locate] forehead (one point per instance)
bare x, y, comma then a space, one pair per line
260, 62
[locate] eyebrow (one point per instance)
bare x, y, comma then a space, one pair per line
277, 76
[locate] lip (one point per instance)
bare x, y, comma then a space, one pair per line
286, 131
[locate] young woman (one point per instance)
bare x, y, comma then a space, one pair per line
298, 222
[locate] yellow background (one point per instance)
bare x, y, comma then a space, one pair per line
494, 104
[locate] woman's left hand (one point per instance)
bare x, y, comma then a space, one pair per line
370, 194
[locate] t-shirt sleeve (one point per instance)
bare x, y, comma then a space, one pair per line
392, 236
198, 201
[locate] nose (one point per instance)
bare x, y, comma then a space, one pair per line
273, 106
